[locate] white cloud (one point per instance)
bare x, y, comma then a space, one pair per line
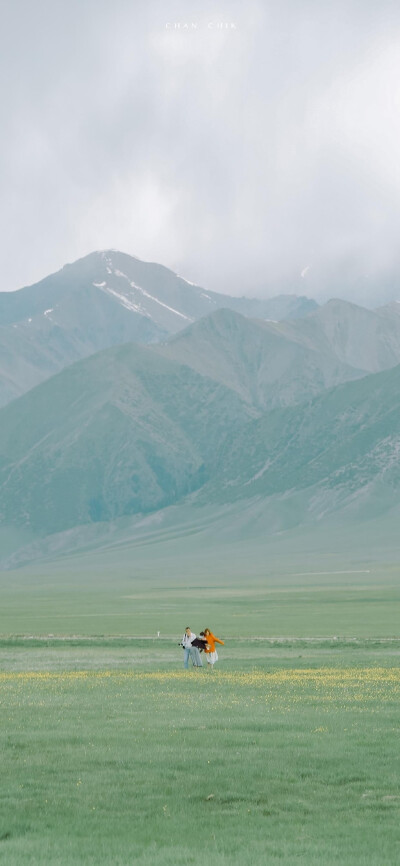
233, 157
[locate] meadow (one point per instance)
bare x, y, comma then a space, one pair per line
286, 753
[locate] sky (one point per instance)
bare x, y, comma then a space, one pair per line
253, 147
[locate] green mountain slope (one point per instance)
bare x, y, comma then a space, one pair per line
365, 339
136, 447
102, 300
121, 432
43, 344
347, 439
268, 363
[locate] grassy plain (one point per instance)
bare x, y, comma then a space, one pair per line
242, 592
287, 753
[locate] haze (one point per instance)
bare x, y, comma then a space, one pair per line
255, 158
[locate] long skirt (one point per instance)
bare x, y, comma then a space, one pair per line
196, 657
212, 657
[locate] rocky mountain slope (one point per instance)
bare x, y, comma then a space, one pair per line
221, 420
267, 363
129, 432
364, 339
122, 432
105, 299
346, 441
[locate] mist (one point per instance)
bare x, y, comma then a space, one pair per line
252, 149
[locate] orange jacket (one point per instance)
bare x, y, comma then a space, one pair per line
212, 640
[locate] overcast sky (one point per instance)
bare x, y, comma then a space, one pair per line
260, 157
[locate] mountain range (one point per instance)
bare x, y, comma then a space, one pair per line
235, 421
102, 300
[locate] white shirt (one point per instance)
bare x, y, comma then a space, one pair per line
187, 639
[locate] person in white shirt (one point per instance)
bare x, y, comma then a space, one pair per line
190, 650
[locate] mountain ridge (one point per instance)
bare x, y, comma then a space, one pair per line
128, 432
105, 298
120, 432
281, 424
268, 363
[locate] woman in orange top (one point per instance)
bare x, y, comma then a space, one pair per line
209, 649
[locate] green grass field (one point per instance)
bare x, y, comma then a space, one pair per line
288, 752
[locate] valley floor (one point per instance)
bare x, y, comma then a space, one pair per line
113, 754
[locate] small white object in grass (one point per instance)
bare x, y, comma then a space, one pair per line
158, 634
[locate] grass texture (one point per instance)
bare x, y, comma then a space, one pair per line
272, 758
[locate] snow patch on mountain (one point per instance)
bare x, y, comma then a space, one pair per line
161, 303
108, 263
126, 302
186, 281
151, 297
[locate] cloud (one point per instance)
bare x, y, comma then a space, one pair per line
240, 156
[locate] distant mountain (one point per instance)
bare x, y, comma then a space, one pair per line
267, 363
275, 309
364, 339
344, 443
273, 364
105, 299
122, 432
129, 432
220, 417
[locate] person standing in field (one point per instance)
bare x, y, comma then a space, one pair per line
210, 650
199, 643
190, 650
